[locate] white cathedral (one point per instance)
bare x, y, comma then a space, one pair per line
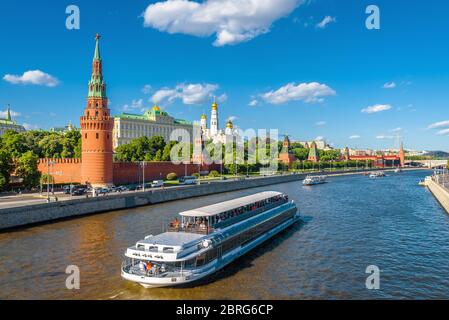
215, 134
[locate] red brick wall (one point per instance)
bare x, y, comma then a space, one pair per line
132, 172
63, 170
69, 170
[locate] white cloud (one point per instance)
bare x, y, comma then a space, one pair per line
14, 114
232, 118
354, 137
188, 93
135, 105
396, 130
231, 21
35, 77
323, 24
377, 108
383, 137
390, 85
308, 92
146, 89
444, 132
253, 103
321, 123
320, 138
441, 124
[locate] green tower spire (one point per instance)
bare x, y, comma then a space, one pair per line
97, 86
8, 115
97, 55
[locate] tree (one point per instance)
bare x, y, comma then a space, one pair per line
214, 174
172, 176
71, 141
46, 178
51, 146
3, 182
14, 144
301, 153
167, 150
5, 169
27, 169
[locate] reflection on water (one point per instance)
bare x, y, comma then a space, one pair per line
347, 224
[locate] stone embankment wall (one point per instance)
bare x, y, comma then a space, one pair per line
440, 193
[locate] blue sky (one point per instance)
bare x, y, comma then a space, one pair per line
334, 72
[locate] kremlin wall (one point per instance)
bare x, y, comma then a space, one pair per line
66, 171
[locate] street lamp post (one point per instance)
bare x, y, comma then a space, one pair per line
143, 176
49, 163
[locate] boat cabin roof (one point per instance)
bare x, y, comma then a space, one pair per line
175, 239
215, 209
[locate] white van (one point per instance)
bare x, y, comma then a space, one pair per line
157, 184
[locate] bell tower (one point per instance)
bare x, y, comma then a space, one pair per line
96, 129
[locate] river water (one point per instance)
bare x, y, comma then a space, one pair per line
347, 224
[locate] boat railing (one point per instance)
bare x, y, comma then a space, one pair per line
191, 229
134, 269
204, 229
248, 215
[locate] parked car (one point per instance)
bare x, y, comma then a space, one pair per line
188, 180
66, 189
157, 184
79, 192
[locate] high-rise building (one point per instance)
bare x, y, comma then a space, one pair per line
96, 129
8, 124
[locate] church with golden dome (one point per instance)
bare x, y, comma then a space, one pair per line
214, 133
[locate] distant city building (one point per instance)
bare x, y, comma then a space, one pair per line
320, 144
68, 128
8, 124
154, 122
361, 153
214, 134
313, 153
285, 156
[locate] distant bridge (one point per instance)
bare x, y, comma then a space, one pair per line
426, 163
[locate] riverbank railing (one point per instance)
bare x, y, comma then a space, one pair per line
441, 178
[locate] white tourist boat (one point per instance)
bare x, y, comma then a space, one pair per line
377, 174
313, 180
202, 241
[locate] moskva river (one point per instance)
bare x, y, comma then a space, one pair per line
347, 225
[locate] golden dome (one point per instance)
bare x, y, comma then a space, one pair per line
215, 105
203, 117
229, 125
156, 108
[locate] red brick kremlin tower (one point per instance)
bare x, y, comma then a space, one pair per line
96, 129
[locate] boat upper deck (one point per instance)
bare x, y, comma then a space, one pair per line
221, 207
173, 239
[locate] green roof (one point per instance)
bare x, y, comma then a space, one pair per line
150, 116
